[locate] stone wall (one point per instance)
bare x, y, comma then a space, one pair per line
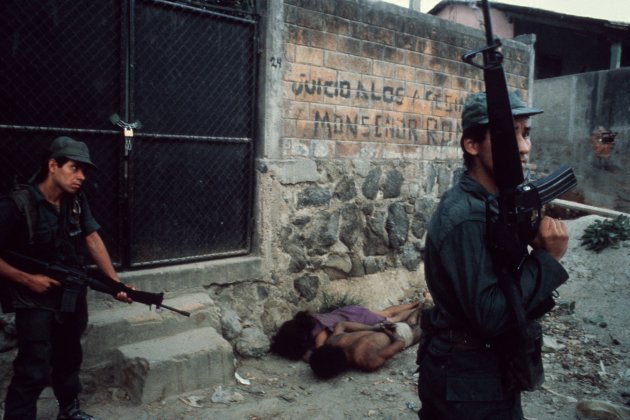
361, 132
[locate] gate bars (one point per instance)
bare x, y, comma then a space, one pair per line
163, 92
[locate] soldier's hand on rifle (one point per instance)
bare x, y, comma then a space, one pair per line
40, 283
122, 296
553, 237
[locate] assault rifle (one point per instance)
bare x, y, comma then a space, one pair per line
519, 204
519, 213
73, 281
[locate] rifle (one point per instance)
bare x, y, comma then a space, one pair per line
74, 280
520, 205
519, 209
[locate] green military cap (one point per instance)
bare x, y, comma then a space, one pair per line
72, 149
476, 109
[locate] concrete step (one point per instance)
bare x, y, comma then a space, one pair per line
122, 324
158, 368
153, 354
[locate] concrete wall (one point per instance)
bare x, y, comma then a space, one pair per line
575, 106
359, 137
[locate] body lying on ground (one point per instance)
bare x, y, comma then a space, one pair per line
364, 347
306, 331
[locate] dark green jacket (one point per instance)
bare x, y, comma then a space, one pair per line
467, 378
459, 269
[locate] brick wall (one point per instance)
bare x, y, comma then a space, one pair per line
374, 80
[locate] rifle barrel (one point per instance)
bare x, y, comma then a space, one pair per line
487, 21
170, 308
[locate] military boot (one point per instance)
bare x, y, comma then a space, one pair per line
72, 411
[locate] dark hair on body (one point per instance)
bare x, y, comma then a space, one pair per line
328, 361
476, 133
295, 337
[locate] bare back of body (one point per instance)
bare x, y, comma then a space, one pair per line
367, 350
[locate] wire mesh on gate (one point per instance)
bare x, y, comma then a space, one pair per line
180, 187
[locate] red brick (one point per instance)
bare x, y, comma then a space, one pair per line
384, 69
308, 55
346, 149
392, 151
296, 109
406, 73
323, 40
414, 59
297, 72
371, 150
424, 76
347, 62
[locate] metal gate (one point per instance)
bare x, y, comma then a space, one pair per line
163, 93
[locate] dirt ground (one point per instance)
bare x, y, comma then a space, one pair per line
587, 357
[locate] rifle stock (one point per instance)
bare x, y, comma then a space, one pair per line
73, 278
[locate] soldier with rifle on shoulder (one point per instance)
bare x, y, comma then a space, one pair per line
491, 261
462, 367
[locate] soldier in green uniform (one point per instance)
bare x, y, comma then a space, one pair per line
462, 369
49, 220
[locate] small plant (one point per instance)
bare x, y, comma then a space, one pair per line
330, 302
604, 233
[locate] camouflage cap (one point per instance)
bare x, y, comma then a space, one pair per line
72, 149
476, 109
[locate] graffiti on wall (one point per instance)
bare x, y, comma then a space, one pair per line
369, 117
441, 132
379, 126
343, 89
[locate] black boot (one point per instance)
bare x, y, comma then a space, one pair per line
72, 411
